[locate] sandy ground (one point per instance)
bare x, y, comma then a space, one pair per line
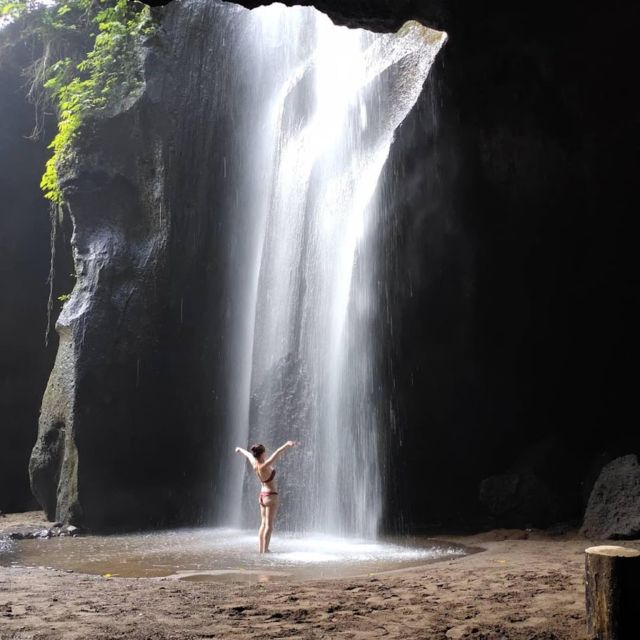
516, 589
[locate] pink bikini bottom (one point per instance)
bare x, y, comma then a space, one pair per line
264, 494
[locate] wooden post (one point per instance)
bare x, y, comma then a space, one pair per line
612, 582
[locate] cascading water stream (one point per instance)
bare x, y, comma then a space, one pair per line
318, 116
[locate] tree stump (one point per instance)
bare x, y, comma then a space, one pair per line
612, 581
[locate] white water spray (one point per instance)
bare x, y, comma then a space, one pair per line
319, 112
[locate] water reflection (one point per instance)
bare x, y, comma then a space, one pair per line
223, 554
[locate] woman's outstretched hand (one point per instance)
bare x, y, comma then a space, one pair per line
292, 443
238, 449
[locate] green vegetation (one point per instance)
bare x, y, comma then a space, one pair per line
89, 60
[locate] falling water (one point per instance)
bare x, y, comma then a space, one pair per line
318, 114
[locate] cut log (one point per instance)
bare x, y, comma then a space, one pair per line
612, 583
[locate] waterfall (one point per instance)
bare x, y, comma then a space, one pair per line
317, 107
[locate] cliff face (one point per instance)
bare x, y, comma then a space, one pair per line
25, 361
509, 289
126, 434
513, 321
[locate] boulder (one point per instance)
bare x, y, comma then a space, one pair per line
613, 511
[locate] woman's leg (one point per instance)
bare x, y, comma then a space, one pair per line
271, 511
263, 526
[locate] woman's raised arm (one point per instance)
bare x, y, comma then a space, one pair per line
271, 459
247, 454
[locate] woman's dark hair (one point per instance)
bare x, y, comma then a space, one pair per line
257, 450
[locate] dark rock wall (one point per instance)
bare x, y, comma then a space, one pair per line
25, 361
515, 270
128, 424
375, 15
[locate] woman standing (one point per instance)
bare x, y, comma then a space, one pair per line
268, 499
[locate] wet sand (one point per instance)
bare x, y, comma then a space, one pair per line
523, 586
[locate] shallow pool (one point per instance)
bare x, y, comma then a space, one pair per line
225, 554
